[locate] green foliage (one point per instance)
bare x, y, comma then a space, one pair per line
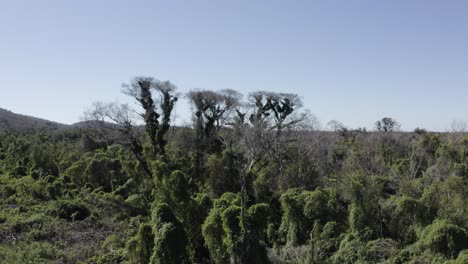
102, 172
324, 242
75, 173
461, 259
407, 214
445, 238
221, 228
34, 252
230, 219
223, 172
354, 249
107, 169
293, 225
198, 210
223, 231
261, 188
41, 161
380, 250
257, 224
170, 239
363, 198
140, 248
364, 211
179, 187
302, 208
453, 200
430, 143
72, 211
213, 234
351, 250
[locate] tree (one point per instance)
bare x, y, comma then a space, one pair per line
275, 122
223, 231
212, 111
445, 238
157, 121
118, 118
387, 124
140, 247
121, 118
335, 125
269, 115
458, 126
170, 239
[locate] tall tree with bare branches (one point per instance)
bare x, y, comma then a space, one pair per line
157, 108
156, 98
269, 115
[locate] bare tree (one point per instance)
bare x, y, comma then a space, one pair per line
119, 118
335, 125
387, 124
309, 121
458, 126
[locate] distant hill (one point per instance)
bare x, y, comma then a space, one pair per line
12, 122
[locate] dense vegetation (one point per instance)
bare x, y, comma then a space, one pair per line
247, 183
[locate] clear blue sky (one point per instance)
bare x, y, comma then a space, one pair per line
353, 61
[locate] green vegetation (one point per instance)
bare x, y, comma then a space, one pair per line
241, 186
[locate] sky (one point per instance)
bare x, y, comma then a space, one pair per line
355, 61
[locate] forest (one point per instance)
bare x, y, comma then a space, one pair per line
250, 180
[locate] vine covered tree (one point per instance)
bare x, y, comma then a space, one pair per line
156, 98
157, 108
269, 115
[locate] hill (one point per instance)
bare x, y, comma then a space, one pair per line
13, 122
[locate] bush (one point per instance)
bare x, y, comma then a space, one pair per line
445, 238
302, 208
170, 244
140, 247
71, 211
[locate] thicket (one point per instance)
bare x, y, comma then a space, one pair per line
261, 192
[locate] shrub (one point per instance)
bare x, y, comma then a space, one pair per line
170, 244
71, 211
445, 238
140, 247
